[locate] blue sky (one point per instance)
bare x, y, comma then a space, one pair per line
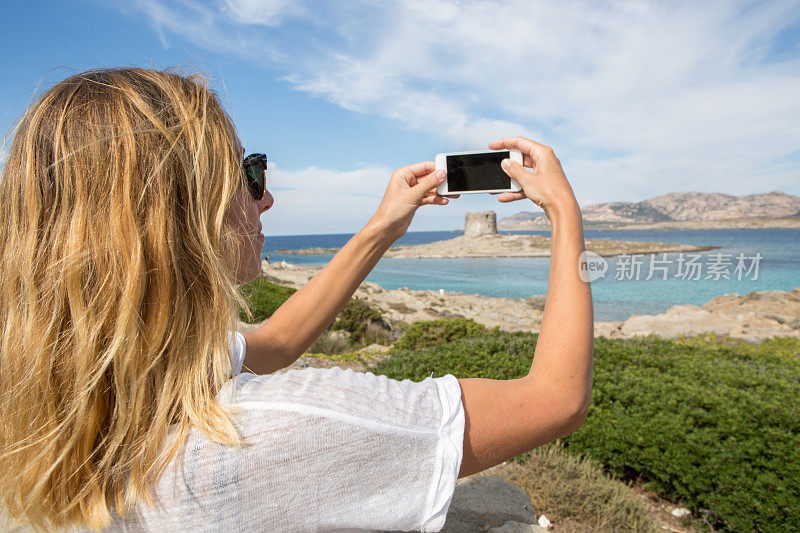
638, 98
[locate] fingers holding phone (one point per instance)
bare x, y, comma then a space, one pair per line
545, 185
409, 188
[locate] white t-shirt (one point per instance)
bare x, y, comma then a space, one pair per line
327, 450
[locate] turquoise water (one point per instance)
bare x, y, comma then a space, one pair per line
614, 299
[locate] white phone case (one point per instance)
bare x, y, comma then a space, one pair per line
441, 162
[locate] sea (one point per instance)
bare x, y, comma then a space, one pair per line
745, 260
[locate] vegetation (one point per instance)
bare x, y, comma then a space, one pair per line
330, 344
575, 492
356, 326
360, 324
433, 332
263, 298
356, 316
714, 424
342, 357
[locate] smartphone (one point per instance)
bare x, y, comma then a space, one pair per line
477, 171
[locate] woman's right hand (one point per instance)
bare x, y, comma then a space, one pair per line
546, 185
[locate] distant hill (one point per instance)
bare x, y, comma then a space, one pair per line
675, 206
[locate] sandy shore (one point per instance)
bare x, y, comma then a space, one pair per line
751, 317
513, 246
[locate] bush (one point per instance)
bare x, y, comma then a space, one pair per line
329, 344
263, 298
377, 333
432, 332
714, 424
497, 355
355, 317
576, 493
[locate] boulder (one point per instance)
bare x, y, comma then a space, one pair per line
489, 503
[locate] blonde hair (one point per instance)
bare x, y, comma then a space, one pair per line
116, 291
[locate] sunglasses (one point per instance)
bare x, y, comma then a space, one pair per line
255, 170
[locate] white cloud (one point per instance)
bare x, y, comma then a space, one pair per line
316, 200
265, 12
639, 98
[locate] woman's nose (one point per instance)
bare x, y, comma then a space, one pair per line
266, 202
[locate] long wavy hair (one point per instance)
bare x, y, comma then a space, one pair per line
117, 290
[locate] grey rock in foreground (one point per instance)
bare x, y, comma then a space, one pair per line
488, 503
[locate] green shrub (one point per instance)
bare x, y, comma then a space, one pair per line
263, 298
432, 332
497, 355
712, 424
715, 425
355, 316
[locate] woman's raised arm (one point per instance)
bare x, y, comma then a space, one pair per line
303, 317
504, 418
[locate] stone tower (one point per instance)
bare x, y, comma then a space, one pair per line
479, 224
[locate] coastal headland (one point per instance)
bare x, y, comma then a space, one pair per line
679, 211
750, 317
792, 222
498, 245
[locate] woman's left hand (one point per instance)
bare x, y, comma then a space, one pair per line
409, 188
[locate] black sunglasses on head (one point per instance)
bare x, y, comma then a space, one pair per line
255, 169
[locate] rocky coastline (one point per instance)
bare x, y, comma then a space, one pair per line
751, 317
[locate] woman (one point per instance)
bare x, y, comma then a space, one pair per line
128, 222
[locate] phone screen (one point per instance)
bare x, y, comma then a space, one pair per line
477, 172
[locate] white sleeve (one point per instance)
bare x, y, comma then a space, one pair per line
237, 347
326, 450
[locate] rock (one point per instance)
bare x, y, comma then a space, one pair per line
545, 522
485, 502
380, 348
340, 334
610, 330
750, 317
678, 320
478, 224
